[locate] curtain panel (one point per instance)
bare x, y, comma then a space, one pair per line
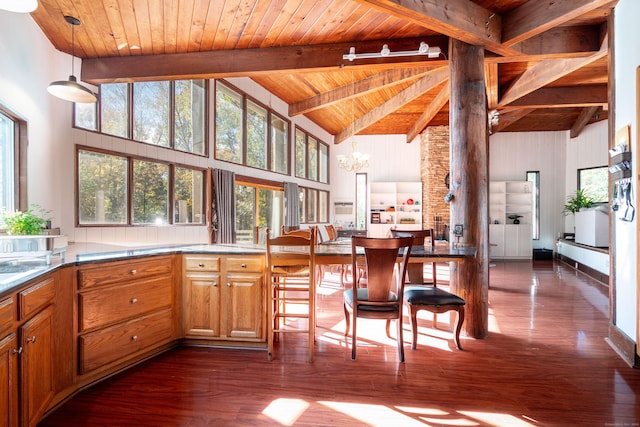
223, 212
292, 209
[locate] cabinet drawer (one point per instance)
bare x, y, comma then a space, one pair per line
36, 297
6, 314
105, 306
201, 263
254, 264
120, 341
122, 272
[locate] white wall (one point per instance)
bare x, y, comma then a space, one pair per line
627, 59
512, 154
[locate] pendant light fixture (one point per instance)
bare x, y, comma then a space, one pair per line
71, 90
19, 6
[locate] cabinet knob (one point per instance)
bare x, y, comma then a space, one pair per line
17, 350
31, 339
201, 265
243, 265
134, 300
228, 285
134, 338
215, 284
134, 271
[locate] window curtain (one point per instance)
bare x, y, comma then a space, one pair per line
223, 201
292, 208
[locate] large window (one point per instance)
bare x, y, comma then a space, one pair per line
313, 205
595, 183
13, 161
258, 205
248, 133
168, 114
105, 191
312, 157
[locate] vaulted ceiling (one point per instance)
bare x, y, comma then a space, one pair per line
546, 62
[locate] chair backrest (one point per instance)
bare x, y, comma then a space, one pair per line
293, 249
289, 228
419, 236
331, 232
382, 255
260, 235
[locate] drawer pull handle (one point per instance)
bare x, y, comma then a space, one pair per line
133, 272
134, 300
17, 350
201, 265
134, 338
243, 265
32, 339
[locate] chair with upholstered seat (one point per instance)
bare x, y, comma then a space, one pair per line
292, 281
385, 267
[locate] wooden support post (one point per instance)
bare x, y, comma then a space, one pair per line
469, 147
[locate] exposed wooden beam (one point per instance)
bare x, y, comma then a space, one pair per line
544, 73
432, 109
361, 87
418, 88
563, 41
571, 96
509, 117
583, 119
491, 83
245, 62
534, 17
459, 19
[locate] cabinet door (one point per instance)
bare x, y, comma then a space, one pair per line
36, 372
525, 244
245, 306
9, 381
202, 308
496, 240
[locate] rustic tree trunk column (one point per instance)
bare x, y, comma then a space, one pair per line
469, 147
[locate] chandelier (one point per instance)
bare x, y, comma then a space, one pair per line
355, 161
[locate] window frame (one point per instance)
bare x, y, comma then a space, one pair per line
605, 172
259, 184
20, 145
317, 174
130, 187
309, 198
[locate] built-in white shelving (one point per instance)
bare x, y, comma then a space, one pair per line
510, 210
394, 204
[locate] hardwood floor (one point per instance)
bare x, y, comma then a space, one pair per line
545, 363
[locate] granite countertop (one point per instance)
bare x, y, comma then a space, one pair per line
15, 272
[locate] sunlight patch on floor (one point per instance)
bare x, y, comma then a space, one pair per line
286, 411
498, 420
373, 415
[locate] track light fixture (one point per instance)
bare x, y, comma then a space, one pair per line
423, 49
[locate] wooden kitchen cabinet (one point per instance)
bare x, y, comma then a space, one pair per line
9, 381
126, 310
224, 297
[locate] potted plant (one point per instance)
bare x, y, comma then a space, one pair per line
578, 201
20, 223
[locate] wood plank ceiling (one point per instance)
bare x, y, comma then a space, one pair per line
546, 61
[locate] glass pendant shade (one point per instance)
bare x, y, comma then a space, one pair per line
19, 6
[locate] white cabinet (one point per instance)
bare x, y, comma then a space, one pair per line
394, 204
510, 216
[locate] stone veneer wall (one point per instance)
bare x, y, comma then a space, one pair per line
434, 166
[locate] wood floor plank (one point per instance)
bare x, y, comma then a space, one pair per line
545, 363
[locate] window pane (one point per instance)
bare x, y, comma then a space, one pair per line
302, 204
245, 213
323, 206
312, 196
188, 196
102, 181
114, 104
85, 115
301, 155
323, 163
228, 125
595, 183
270, 209
150, 192
256, 136
151, 113
279, 145
361, 201
7, 162
189, 116
312, 146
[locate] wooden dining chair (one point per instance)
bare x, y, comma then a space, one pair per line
418, 297
292, 280
383, 296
